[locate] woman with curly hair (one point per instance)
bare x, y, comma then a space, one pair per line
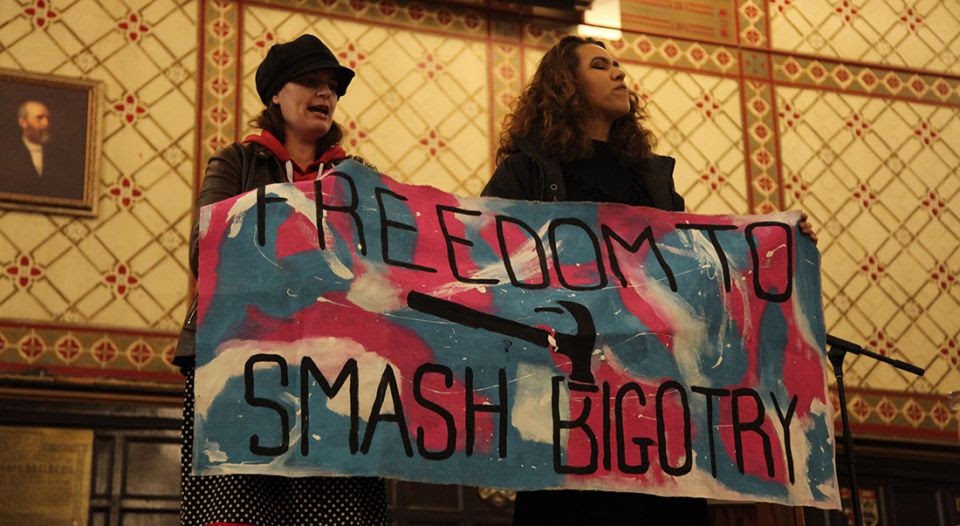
577, 134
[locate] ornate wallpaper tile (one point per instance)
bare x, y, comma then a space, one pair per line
916, 34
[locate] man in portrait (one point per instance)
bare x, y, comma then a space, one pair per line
35, 163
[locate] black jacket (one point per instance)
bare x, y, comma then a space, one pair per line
236, 169
532, 175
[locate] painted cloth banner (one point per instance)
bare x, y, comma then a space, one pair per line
423, 336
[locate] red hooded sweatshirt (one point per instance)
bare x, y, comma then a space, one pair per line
268, 141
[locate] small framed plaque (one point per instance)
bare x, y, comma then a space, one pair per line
45, 475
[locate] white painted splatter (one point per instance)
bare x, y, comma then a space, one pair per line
203, 220
213, 452
303, 204
375, 293
531, 403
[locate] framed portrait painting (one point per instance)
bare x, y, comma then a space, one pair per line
50, 127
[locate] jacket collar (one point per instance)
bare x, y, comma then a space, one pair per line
532, 147
266, 141
553, 187
267, 144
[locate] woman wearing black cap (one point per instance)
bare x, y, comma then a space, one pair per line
300, 83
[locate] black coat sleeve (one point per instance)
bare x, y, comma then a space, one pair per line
221, 180
676, 198
678, 202
660, 183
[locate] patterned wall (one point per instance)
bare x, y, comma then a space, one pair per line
83, 296
868, 107
848, 109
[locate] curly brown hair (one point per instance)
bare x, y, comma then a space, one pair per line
551, 108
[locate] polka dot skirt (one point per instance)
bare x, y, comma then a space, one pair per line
273, 501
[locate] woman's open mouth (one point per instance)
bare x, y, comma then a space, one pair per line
321, 109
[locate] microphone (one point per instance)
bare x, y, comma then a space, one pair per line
844, 345
840, 342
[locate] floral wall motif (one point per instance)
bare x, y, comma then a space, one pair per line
849, 110
77, 292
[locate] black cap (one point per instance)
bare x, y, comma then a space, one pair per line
287, 61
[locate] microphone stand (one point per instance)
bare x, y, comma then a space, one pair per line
837, 352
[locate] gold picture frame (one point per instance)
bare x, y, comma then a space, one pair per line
51, 127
